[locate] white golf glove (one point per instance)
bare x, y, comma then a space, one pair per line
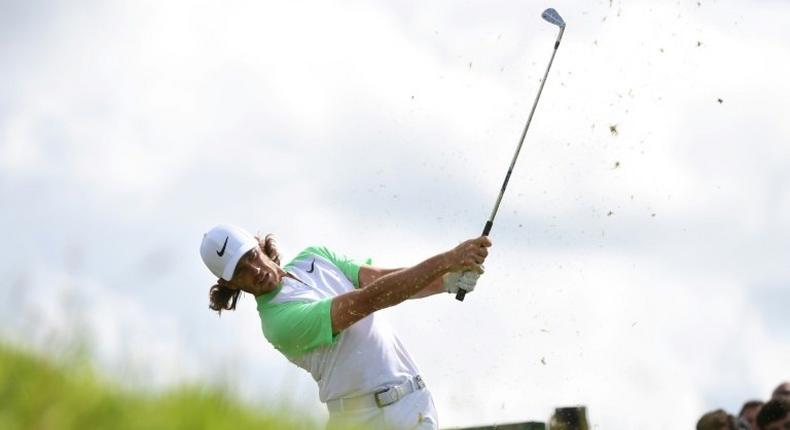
464, 280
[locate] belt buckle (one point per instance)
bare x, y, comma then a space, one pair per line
381, 403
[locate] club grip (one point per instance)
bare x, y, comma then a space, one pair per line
487, 229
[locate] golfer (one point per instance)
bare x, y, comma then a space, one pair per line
319, 311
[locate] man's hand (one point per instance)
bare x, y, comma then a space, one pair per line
469, 255
464, 280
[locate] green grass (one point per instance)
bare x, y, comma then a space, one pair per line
37, 393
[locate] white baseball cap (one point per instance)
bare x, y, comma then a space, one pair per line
222, 248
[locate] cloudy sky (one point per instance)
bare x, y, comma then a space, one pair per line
640, 259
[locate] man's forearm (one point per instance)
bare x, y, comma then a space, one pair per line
398, 286
435, 287
368, 275
395, 287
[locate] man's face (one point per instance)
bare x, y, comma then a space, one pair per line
783, 424
256, 273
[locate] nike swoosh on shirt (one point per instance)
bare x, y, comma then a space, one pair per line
312, 266
221, 252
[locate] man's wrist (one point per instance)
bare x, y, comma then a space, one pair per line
445, 263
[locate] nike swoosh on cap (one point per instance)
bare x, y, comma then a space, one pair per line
221, 252
312, 266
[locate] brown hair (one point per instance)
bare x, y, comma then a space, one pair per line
222, 297
715, 420
750, 404
774, 410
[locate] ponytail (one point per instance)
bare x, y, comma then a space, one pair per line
222, 298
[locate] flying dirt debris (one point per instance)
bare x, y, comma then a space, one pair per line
613, 129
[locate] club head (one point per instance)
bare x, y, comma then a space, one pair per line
553, 17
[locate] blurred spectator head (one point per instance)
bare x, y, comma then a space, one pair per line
572, 418
774, 415
749, 412
717, 420
782, 391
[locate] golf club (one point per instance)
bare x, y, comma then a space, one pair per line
553, 17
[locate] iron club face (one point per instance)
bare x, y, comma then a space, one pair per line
553, 17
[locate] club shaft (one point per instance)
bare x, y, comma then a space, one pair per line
490, 223
523, 136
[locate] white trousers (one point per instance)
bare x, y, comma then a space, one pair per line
416, 411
